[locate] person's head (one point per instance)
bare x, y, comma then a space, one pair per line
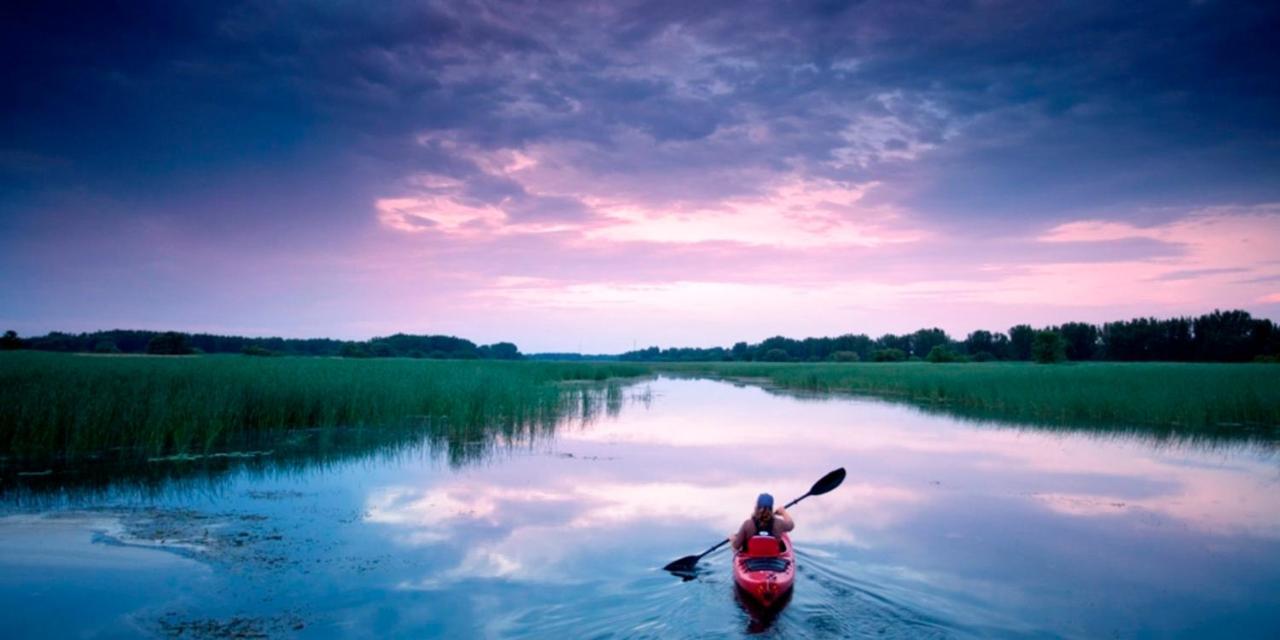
764, 507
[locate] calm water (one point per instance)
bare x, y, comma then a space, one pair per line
942, 529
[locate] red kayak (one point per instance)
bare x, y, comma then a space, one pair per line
767, 569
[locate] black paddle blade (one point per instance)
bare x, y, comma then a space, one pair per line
683, 565
826, 483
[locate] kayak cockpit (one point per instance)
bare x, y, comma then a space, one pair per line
775, 564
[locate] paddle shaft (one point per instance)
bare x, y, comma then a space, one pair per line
718, 545
789, 504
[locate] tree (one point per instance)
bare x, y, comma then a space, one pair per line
353, 350
1001, 348
979, 342
859, 344
169, 343
1271, 344
1020, 339
106, 346
891, 341
1081, 340
11, 342
792, 348
889, 355
1224, 336
1147, 339
843, 356
924, 340
1126, 340
1174, 340
776, 355
503, 351
1049, 347
941, 354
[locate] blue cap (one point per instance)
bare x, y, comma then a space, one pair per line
765, 501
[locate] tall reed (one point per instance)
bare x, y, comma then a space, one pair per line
67, 405
1173, 397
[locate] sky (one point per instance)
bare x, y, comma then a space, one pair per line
602, 176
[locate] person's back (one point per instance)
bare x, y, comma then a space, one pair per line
764, 520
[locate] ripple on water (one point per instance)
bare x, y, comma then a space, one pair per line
827, 603
830, 602
657, 605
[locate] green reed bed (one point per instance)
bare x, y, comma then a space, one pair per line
1172, 397
70, 405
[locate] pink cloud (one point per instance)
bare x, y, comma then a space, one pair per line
1093, 231
1218, 244
794, 212
796, 253
787, 210
441, 213
740, 266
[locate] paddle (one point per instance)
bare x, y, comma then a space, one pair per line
823, 485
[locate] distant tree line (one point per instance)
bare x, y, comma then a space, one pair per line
399, 345
571, 357
1221, 336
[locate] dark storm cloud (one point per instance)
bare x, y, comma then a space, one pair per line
967, 111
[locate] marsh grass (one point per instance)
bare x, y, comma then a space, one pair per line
69, 406
1227, 400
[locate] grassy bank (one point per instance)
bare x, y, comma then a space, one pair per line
1162, 397
67, 406
57, 405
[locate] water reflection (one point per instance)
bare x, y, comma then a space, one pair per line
1200, 435
116, 474
955, 517
942, 529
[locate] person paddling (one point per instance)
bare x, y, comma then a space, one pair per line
763, 521
684, 567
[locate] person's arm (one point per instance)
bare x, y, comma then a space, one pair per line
785, 518
738, 537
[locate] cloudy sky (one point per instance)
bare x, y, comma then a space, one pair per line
601, 175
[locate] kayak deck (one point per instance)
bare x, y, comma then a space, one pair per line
764, 572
